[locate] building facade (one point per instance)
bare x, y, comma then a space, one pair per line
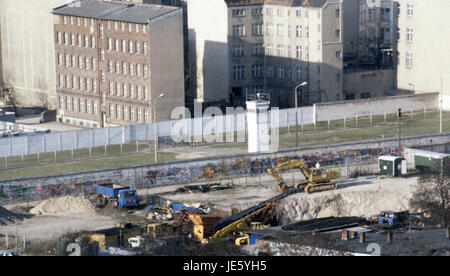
423, 62
276, 45
113, 60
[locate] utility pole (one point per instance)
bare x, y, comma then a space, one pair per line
399, 115
296, 111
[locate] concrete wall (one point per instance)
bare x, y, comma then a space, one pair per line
193, 171
374, 82
207, 24
375, 106
27, 48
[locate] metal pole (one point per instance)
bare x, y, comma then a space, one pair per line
296, 118
440, 107
399, 132
155, 134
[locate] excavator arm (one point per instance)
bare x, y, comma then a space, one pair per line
281, 185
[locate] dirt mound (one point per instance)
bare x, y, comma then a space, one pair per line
9, 217
64, 205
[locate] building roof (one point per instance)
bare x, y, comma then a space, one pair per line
132, 13
289, 3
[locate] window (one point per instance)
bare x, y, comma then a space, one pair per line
269, 11
337, 33
82, 110
280, 12
130, 46
138, 48
257, 50
298, 31
131, 69
137, 28
299, 73
280, 29
238, 72
81, 83
117, 67
269, 28
61, 102
409, 34
117, 45
257, 71
146, 115
139, 92
131, 91
409, 10
87, 63
71, 20
257, 29
75, 105
269, 48
269, 71
93, 42
118, 86
125, 112
80, 62
409, 60
280, 49
86, 41
299, 50
68, 104
130, 27
66, 38
124, 46
65, 19
85, 22
365, 95
125, 90
119, 111
59, 37
238, 30
133, 118
110, 66
116, 25
337, 12
124, 68
102, 32
60, 59
338, 54
111, 110
110, 44
298, 12
123, 26
138, 70
61, 80
257, 11
74, 63
281, 72
95, 108
88, 107
145, 93
94, 64
338, 77
94, 85
238, 50
145, 48
103, 76
145, 71
80, 40
238, 12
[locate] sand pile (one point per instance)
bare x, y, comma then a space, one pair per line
9, 217
64, 205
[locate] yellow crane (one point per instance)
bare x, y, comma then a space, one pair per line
316, 179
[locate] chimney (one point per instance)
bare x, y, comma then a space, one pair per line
389, 236
362, 237
344, 235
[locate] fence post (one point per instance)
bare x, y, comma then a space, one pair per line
424, 111
385, 117
22, 160
356, 121
90, 153
6, 162
55, 156
121, 145
71, 153
106, 153
345, 122
328, 124
411, 113
137, 146
38, 158
370, 119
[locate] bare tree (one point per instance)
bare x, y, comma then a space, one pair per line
9, 92
432, 194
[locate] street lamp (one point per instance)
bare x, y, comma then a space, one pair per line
155, 127
296, 110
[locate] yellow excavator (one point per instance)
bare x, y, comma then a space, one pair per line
316, 179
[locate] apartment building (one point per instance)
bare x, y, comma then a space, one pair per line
275, 45
113, 60
423, 58
376, 31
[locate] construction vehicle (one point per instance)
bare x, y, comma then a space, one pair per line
117, 195
316, 178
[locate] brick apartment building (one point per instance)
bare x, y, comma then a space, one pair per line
113, 58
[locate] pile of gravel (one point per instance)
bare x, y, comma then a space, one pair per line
63, 206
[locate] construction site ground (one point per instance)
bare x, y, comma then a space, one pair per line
364, 196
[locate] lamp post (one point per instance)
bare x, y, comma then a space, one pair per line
155, 127
296, 111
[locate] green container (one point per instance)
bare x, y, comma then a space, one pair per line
390, 165
432, 162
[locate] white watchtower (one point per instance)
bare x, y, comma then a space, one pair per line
258, 123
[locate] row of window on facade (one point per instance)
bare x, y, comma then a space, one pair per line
124, 46
122, 26
117, 67
257, 72
258, 30
116, 111
370, 14
258, 11
258, 50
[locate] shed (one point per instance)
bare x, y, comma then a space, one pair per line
432, 161
391, 165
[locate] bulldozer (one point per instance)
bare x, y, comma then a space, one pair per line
316, 178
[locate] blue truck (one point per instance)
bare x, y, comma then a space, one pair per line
393, 218
117, 195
